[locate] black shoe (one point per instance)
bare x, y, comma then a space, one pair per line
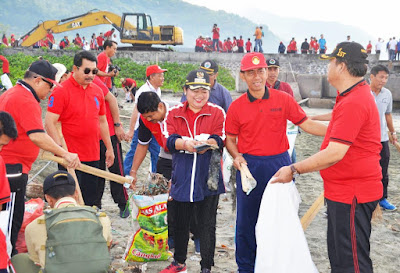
124, 212
205, 270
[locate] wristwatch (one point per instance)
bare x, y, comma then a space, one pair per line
295, 173
117, 124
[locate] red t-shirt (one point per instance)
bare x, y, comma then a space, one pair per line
3, 251
100, 40
229, 45
108, 34
105, 90
355, 122
23, 105
6, 67
5, 41
4, 198
281, 86
248, 45
260, 124
79, 111
50, 38
240, 42
78, 41
215, 32
103, 61
129, 82
4, 186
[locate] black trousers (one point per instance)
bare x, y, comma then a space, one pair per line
87, 183
349, 230
118, 191
385, 157
206, 212
17, 185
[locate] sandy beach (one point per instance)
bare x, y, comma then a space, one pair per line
385, 238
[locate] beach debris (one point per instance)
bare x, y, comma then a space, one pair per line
157, 184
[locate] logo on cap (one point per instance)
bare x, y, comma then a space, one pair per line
207, 64
341, 53
200, 77
255, 60
272, 61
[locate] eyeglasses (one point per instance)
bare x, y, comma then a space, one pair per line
46, 81
258, 72
88, 70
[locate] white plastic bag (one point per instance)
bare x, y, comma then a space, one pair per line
281, 244
5, 80
227, 166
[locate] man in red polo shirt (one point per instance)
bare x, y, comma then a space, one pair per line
100, 41
108, 34
103, 63
348, 161
215, 32
80, 107
23, 103
256, 136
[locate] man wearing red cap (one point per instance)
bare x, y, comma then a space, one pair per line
23, 103
348, 161
155, 79
256, 136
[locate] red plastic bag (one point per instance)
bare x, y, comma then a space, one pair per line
33, 209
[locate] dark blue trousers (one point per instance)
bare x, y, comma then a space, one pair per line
262, 168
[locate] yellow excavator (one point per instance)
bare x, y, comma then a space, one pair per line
134, 28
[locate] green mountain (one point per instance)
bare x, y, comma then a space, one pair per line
20, 16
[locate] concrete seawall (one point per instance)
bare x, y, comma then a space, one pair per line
305, 73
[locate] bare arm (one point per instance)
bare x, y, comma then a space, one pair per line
105, 136
323, 117
50, 122
45, 142
389, 121
231, 146
113, 104
319, 161
140, 154
132, 122
314, 127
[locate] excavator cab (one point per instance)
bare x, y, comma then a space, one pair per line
136, 26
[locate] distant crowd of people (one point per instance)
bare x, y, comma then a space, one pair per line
94, 43
206, 44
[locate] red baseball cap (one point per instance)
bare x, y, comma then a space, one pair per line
154, 69
253, 60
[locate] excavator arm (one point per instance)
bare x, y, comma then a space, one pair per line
91, 18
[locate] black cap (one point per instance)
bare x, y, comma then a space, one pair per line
209, 66
45, 69
57, 178
273, 62
351, 51
198, 79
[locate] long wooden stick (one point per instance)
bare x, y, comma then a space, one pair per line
70, 170
312, 211
87, 169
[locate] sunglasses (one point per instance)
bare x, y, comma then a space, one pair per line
88, 70
46, 81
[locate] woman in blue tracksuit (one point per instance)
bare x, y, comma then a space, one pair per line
189, 124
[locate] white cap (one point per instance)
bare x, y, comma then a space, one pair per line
61, 69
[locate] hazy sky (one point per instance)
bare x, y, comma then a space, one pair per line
378, 18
